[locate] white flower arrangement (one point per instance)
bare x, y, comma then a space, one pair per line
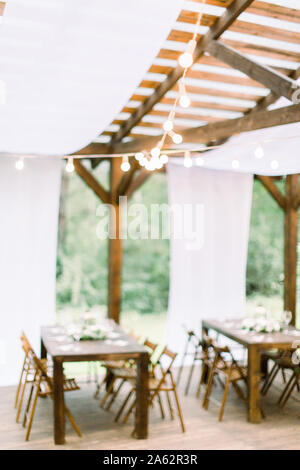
261, 322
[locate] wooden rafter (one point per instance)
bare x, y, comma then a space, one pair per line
138, 181
277, 82
273, 190
222, 129
127, 179
215, 31
91, 181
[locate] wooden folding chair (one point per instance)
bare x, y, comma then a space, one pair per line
156, 385
197, 354
285, 363
230, 370
27, 375
109, 365
41, 385
128, 371
280, 359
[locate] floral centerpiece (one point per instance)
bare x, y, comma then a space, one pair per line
261, 322
88, 329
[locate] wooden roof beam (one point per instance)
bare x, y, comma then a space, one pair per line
215, 31
91, 181
273, 190
277, 82
221, 129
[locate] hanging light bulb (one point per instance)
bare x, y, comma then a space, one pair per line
19, 164
155, 152
139, 156
125, 165
164, 159
274, 164
184, 99
235, 164
199, 161
169, 124
70, 165
259, 151
177, 138
188, 162
150, 165
186, 59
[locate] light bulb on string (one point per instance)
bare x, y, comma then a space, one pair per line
125, 165
184, 99
164, 158
259, 151
139, 156
187, 162
155, 152
150, 165
169, 124
186, 59
177, 138
19, 165
70, 166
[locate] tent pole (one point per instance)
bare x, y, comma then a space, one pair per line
290, 245
114, 244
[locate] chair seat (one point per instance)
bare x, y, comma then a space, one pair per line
236, 374
286, 363
124, 373
113, 364
69, 386
272, 354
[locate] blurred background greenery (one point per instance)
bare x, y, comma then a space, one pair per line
82, 257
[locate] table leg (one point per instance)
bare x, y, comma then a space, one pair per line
58, 402
254, 365
43, 350
142, 397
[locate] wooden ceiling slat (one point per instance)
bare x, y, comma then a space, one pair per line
280, 84
216, 77
216, 3
197, 104
214, 32
263, 51
265, 31
209, 77
191, 17
274, 11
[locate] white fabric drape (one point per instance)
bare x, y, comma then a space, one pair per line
207, 279
29, 202
69, 66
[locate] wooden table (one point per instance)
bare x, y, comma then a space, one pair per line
118, 346
255, 343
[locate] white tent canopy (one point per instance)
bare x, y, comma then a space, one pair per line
67, 70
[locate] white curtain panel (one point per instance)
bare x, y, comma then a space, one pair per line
67, 67
29, 202
207, 278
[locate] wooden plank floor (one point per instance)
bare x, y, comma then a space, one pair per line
280, 429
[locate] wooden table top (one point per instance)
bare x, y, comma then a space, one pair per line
117, 345
233, 329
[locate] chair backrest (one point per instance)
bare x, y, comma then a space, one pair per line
34, 360
166, 362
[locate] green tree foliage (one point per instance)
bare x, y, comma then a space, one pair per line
82, 257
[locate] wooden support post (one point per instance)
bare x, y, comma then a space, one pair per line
115, 244
290, 245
